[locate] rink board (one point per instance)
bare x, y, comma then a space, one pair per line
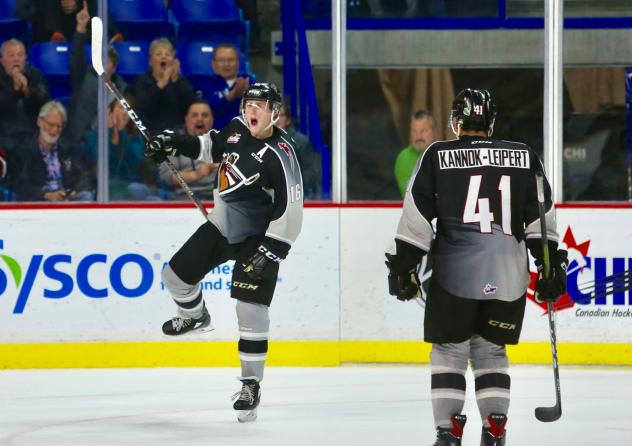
80, 287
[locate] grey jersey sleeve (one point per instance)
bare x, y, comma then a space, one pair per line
414, 225
532, 215
287, 190
206, 147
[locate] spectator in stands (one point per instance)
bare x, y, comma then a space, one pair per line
308, 158
131, 177
422, 133
163, 94
50, 172
225, 88
82, 111
200, 176
55, 20
23, 91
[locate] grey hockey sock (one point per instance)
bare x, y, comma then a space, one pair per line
188, 297
254, 323
448, 363
490, 365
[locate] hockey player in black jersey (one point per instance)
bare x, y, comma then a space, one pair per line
257, 217
482, 193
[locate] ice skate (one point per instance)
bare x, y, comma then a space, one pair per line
451, 436
494, 435
179, 326
247, 400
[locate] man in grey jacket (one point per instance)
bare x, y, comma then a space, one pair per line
199, 175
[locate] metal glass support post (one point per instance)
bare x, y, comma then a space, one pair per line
553, 84
502, 9
288, 50
628, 127
339, 100
103, 177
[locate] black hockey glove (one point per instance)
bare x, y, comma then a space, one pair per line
159, 147
258, 266
552, 289
403, 281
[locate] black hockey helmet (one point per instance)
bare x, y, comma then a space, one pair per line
473, 110
264, 91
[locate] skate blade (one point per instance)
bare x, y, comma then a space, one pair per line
196, 331
206, 329
246, 416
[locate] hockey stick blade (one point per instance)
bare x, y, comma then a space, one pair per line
548, 414
97, 45
97, 64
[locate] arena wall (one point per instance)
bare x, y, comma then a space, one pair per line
80, 287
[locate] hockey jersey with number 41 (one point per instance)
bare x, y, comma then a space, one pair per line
482, 193
259, 189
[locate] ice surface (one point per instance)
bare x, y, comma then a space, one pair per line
351, 405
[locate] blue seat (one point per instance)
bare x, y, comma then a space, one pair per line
141, 19
133, 59
211, 20
52, 58
10, 27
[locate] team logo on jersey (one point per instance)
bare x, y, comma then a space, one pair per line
230, 177
489, 289
234, 138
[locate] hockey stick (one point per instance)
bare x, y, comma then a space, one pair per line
97, 64
547, 414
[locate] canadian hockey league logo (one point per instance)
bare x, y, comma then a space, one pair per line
585, 284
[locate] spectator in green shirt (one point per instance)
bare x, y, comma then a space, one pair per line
422, 133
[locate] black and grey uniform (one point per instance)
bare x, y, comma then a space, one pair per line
258, 201
482, 193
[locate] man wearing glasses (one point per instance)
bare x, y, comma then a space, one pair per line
49, 172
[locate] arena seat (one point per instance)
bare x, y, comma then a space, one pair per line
52, 58
10, 27
133, 59
211, 20
143, 20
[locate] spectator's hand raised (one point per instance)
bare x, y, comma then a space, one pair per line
20, 82
83, 17
239, 88
174, 70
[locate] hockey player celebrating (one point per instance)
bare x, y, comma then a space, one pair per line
482, 193
258, 215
